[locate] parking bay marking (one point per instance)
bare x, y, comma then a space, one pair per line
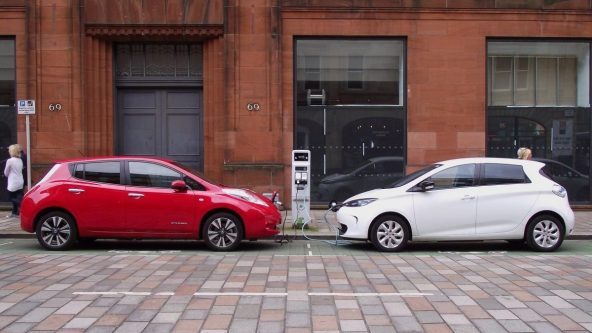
266, 294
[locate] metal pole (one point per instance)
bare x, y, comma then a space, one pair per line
28, 131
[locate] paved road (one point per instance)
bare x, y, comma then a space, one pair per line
303, 286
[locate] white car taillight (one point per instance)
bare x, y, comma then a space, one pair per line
559, 191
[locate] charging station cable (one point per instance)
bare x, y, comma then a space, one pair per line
332, 227
282, 237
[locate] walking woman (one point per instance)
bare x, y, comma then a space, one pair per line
14, 172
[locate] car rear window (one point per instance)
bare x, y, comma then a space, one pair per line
101, 172
500, 174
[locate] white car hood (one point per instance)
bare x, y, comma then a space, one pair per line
380, 193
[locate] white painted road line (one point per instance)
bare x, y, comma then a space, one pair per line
2, 244
371, 294
108, 293
236, 293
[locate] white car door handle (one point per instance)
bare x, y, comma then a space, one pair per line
468, 197
135, 195
75, 190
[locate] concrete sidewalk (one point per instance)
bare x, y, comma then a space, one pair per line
10, 227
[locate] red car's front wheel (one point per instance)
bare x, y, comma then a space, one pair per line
223, 232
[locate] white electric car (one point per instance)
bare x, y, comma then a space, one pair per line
462, 199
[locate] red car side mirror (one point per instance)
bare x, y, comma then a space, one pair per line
179, 186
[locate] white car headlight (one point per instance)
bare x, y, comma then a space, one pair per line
559, 190
245, 195
359, 202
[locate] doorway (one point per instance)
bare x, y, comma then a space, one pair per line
164, 123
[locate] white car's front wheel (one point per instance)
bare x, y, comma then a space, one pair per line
544, 233
389, 233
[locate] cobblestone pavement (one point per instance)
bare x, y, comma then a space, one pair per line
270, 288
297, 287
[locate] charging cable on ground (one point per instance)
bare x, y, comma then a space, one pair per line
332, 227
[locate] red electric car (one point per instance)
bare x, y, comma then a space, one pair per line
138, 197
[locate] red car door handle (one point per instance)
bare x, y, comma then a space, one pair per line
75, 190
135, 195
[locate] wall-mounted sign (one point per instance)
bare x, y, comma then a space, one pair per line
26, 106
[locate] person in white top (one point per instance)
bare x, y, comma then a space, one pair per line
14, 172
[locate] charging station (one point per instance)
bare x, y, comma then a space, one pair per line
300, 184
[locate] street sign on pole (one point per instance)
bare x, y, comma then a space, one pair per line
27, 107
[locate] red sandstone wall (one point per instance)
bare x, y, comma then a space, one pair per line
252, 63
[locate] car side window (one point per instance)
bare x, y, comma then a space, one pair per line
152, 175
457, 176
101, 172
500, 174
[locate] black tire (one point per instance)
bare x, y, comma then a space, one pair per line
56, 231
544, 233
389, 233
223, 232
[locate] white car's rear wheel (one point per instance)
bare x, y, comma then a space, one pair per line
544, 233
389, 233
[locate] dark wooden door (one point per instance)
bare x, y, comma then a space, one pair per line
161, 122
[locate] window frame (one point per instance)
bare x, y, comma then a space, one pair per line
489, 71
128, 174
481, 175
475, 183
74, 166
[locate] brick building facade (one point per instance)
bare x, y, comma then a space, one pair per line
232, 86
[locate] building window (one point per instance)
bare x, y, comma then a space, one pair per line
7, 72
312, 72
158, 61
538, 74
8, 126
539, 97
350, 113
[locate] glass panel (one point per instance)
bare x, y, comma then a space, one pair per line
458, 176
567, 72
546, 82
8, 116
555, 136
103, 172
500, 174
377, 64
559, 73
195, 60
349, 114
501, 81
152, 175
524, 80
123, 60
158, 60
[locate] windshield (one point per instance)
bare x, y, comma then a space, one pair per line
412, 176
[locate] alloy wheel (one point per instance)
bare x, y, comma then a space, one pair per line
55, 231
546, 234
390, 234
223, 232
